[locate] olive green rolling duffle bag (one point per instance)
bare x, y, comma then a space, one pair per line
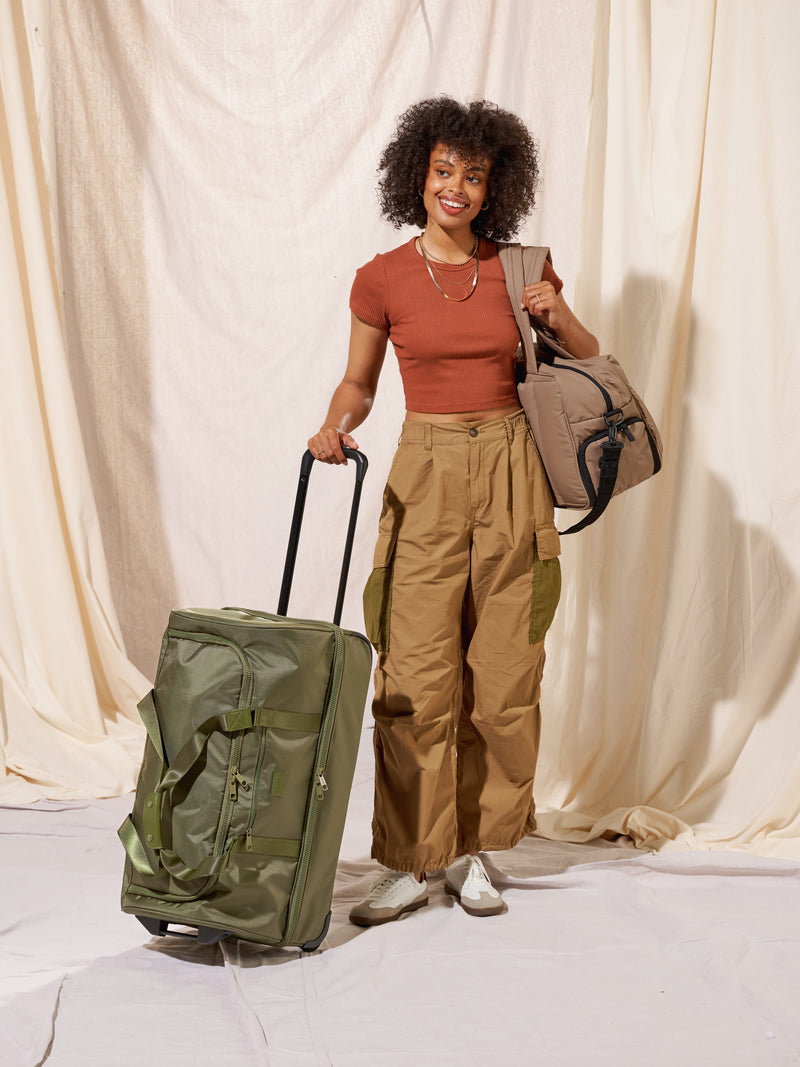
253, 728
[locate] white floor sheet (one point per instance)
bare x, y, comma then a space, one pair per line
606, 956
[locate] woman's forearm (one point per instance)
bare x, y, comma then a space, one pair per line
577, 340
350, 405
353, 396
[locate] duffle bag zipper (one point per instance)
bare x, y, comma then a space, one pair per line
319, 791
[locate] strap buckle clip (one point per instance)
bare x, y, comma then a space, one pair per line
615, 421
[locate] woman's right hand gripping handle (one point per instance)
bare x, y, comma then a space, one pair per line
326, 445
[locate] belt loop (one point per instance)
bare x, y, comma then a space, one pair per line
428, 436
509, 428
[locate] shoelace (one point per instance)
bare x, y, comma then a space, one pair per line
477, 874
387, 882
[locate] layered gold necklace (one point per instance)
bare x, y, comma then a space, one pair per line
472, 281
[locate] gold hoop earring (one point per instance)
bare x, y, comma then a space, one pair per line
484, 205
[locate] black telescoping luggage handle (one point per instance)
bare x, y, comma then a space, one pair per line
297, 520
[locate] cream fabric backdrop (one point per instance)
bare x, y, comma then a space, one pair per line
67, 690
216, 170
674, 658
215, 180
216, 176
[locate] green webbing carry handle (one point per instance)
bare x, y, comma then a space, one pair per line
138, 854
148, 856
232, 722
147, 710
167, 860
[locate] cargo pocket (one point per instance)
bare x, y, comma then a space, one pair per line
546, 582
378, 593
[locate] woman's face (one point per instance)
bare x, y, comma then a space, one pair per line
455, 187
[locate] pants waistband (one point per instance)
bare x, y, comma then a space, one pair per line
486, 429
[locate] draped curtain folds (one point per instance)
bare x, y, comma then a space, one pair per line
674, 660
213, 168
68, 691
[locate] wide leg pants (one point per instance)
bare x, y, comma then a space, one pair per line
465, 584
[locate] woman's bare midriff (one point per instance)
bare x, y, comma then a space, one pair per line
462, 416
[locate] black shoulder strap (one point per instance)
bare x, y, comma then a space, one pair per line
609, 466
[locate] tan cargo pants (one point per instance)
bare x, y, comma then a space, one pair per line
465, 584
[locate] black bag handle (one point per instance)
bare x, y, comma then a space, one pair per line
306, 464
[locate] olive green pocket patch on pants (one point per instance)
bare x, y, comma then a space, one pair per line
545, 596
378, 595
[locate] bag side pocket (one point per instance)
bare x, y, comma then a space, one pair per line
378, 593
546, 585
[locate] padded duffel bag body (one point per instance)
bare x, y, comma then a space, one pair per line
253, 728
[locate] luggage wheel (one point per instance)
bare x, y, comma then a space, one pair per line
310, 946
206, 935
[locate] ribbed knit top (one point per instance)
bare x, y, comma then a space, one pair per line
453, 356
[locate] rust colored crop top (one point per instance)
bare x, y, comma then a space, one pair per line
453, 356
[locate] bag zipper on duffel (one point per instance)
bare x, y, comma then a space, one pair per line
319, 789
610, 410
583, 467
283, 620
233, 779
622, 427
262, 750
576, 370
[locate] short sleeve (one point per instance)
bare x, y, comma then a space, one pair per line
369, 295
549, 275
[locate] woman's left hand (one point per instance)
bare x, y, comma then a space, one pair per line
541, 300
544, 303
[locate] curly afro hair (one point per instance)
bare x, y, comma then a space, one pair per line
472, 130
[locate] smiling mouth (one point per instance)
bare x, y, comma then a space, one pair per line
453, 205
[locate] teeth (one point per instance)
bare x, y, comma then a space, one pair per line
453, 203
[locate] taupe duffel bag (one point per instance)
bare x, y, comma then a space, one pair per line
594, 433
253, 728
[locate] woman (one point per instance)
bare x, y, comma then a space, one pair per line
466, 579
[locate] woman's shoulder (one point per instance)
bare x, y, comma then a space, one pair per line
373, 283
395, 257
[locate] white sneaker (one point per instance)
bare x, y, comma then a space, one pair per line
466, 880
394, 894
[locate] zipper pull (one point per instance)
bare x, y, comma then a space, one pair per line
237, 780
322, 786
248, 839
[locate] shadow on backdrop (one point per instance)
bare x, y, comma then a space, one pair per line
691, 635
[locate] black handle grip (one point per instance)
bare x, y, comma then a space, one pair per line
306, 464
